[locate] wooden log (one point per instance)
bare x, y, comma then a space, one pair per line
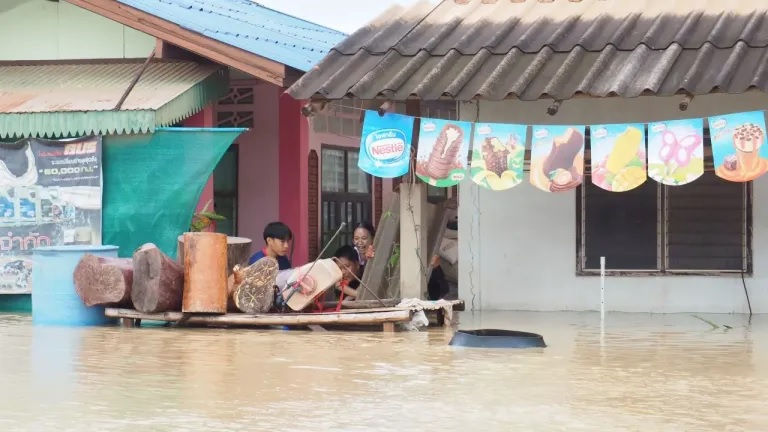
238, 252
158, 281
103, 281
376, 269
205, 273
356, 318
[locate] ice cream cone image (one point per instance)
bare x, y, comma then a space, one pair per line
746, 164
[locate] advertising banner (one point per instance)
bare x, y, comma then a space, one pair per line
50, 195
443, 151
385, 144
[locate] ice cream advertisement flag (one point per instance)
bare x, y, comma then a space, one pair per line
738, 146
498, 155
618, 156
557, 157
385, 144
676, 151
443, 149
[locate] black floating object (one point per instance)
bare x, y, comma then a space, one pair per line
491, 338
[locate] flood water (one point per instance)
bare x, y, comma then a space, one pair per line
651, 373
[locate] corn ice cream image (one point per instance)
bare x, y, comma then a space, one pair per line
623, 168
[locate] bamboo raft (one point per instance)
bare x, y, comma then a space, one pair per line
353, 314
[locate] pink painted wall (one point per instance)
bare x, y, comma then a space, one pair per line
258, 172
205, 118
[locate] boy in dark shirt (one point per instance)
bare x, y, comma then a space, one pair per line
277, 238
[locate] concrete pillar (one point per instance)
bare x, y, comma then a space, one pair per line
413, 240
204, 119
293, 184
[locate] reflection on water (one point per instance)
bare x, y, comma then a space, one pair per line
651, 373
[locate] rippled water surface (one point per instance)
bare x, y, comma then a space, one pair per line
651, 373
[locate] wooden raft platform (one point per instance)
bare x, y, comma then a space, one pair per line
386, 317
457, 305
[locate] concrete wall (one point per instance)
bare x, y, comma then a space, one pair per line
44, 30
518, 247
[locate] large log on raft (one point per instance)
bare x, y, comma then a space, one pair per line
104, 281
205, 273
158, 281
238, 251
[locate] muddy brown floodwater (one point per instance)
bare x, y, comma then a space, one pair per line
652, 373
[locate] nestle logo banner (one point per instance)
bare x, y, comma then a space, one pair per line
385, 144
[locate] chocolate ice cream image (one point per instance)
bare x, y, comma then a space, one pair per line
443, 157
559, 166
495, 155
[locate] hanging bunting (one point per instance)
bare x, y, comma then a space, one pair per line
385, 144
443, 150
618, 156
557, 157
676, 151
738, 146
498, 155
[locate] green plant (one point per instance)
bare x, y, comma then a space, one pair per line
203, 219
394, 259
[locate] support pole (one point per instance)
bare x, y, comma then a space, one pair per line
602, 300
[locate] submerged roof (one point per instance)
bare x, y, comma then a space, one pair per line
54, 100
250, 26
529, 49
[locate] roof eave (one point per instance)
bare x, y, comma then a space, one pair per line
260, 67
65, 124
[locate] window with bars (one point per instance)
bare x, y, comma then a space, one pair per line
703, 227
345, 194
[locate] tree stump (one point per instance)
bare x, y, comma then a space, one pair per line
238, 252
102, 281
255, 286
158, 281
205, 273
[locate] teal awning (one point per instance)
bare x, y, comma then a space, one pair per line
56, 100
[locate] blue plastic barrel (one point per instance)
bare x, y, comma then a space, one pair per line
54, 300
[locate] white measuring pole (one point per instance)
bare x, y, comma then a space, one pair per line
602, 289
602, 298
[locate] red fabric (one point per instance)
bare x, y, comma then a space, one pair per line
319, 304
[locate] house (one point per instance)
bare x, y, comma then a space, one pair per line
220, 63
284, 168
701, 247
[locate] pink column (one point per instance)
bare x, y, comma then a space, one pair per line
294, 174
204, 119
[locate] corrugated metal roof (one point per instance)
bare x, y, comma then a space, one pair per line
249, 26
532, 49
76, 99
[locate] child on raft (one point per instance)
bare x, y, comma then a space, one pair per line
263, 284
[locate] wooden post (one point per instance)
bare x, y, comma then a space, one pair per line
389, 327
158, 281
205, 273
102, 281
